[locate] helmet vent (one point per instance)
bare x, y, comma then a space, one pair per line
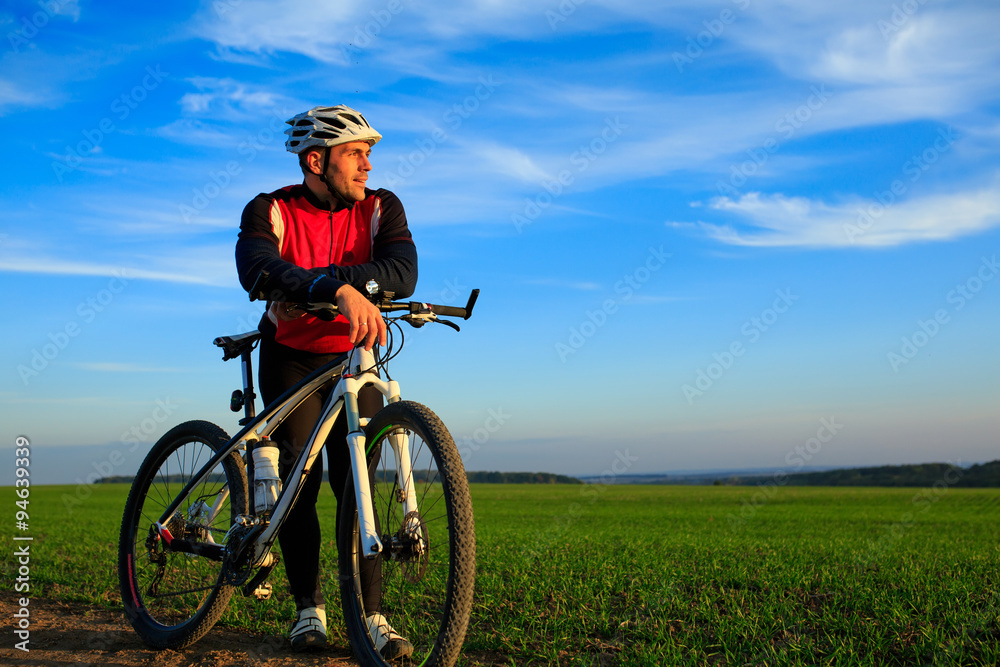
333, 121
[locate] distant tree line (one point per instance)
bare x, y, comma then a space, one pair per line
923, 474
420, 476
520, 478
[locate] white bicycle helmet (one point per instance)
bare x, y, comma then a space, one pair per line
328, 126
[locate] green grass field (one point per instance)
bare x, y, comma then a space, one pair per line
654, 575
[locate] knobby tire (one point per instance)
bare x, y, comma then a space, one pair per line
427, 599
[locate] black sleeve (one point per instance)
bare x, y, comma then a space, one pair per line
394, 256
257, 250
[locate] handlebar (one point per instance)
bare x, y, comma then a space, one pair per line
415, 307
329, 311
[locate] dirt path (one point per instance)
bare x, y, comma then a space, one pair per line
68, 633
75, 634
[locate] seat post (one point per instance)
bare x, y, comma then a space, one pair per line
249, 398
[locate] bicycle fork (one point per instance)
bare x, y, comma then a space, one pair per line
360, 365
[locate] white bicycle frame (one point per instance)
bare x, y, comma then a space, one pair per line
360, 370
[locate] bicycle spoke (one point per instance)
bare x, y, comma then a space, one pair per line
163, 595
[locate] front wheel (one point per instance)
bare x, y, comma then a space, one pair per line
422, 582
173, 597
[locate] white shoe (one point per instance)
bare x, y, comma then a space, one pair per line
389, 643
309, 630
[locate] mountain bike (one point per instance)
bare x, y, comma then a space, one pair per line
190, 538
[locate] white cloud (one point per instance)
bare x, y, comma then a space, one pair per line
200, 133
13, 96
510, 162
237, 57
777, 220
334, 32
668, 133
934, 66
201, 266
222, 113
928, 48
70, 8
850, 41
154, 216
318, 30
59, 267
226, 96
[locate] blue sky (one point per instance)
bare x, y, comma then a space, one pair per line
716, 234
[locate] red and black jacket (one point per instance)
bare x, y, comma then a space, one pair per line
310, 250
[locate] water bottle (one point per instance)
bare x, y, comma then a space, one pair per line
267, 483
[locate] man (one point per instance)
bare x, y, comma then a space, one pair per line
321, 241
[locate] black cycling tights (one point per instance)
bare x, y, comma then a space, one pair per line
282, 367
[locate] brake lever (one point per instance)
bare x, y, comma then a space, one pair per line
449, 323
414, 322
257, 289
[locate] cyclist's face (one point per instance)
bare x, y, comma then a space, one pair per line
348, 170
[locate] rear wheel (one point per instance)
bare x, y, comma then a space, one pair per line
171, 597
422, 582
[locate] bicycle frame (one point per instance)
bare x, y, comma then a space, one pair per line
356, 370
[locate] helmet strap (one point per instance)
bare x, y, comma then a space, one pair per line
326, 161
322, 177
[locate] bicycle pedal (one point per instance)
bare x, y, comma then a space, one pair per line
263, 592
257, 583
